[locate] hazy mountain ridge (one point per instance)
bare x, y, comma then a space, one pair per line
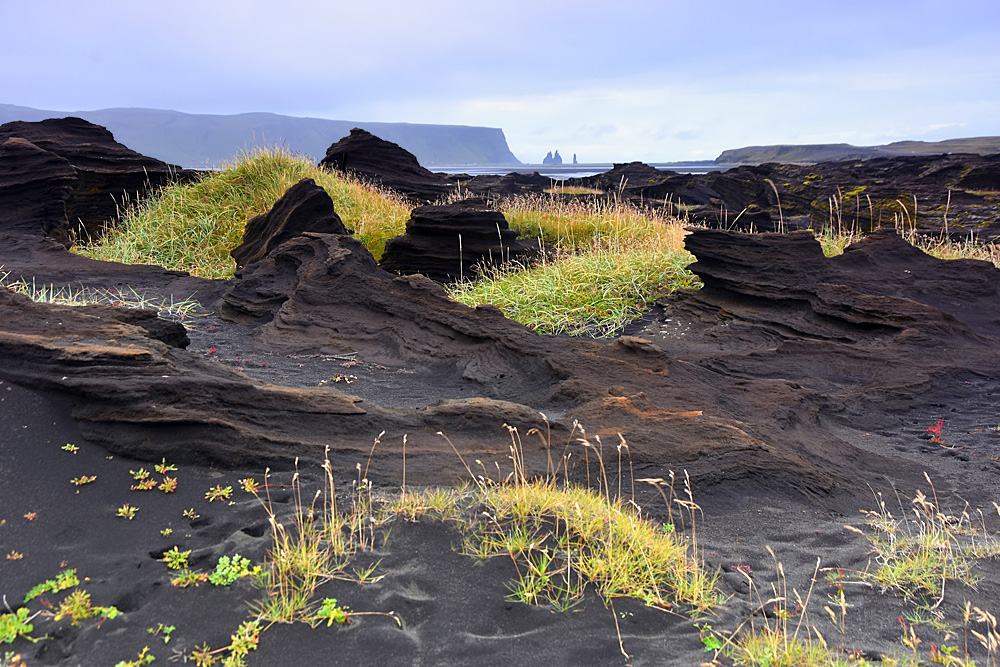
812, 153
201, 140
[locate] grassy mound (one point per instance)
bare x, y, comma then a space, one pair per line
612, 259
192, 227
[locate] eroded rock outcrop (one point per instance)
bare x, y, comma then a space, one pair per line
735, 383
108, 175
363, 154
880, 286
305, 207
138, 396
454, 241
507, 185
325, 293
34, 187
944, 194
872, 331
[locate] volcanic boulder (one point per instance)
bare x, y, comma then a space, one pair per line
632, 177
508, 185
34, 187
452, 242
108, 174
305, 207
883, 321
879, 285
373, 159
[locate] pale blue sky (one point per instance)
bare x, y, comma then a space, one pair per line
612, 81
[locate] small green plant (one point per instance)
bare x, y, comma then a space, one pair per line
62, 581
167, 532
203, 656
250, 485
218, 492
83, 479
11, 659
188, 578
710, 640
331, 613
15, 555
17, 624
229, 570
144, 658
144, 481
77, 607
190, 514
162, 630
163, 467
127, 511
175, 558
244, 640
168, 485
71, 448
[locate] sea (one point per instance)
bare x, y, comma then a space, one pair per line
559, 172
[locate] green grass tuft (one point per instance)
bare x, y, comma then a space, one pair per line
612, 260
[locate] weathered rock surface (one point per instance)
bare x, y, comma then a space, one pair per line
880, 286
934, 194
957, 195
34, 187
872, 331
508, 185
325, 293
454, 241
138, 396
363, 154
305, 207
108, 175
778, 343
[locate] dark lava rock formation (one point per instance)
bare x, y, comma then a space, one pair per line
743, 383
508, 185
953, 195
305, 207
874, 337
34, 187
372, 159
105, 176
454, 241
882, 318
322, 293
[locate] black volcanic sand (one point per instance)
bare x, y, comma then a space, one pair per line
454, 609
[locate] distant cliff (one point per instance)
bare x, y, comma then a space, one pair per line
813, 153
200, 140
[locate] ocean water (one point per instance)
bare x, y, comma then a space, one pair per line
560, 172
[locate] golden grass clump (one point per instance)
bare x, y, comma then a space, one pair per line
193, 226
943, 248
611, 260
563, 537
